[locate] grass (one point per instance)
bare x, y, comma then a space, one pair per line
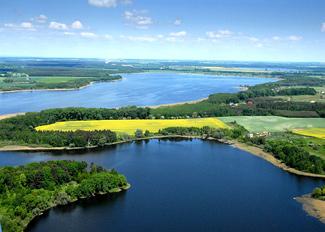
53, 79
130, 126
319, 97
274, 123
311, 132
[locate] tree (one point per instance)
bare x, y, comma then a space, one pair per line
146, 133
138, 133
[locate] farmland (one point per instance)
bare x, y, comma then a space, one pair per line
274, 123
311, 132
130, 126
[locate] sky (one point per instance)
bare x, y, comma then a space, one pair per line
245, 30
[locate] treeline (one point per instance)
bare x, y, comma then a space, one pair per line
27, 191
237, 131
319, 193
295, 156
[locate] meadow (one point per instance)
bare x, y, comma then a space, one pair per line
130, 126
274, 123
311, 132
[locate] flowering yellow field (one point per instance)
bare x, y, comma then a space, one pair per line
130, 126
312, 132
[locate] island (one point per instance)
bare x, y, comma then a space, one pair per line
28, 191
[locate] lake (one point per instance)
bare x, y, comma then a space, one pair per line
142, 89
186, 185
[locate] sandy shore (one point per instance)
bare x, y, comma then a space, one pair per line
4, 116
314, 207
270, 158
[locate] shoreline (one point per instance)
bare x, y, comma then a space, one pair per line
249, 149
178, 103
55, 89
4, 116
256, 151
313, 207
110, 192
41, 90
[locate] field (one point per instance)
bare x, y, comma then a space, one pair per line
319, 97
311, 132
130, 126
54, 79
274, 123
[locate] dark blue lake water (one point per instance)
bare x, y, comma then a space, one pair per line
144, 89
182, 186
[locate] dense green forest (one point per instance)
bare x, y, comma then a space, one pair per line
27, 191
319, 193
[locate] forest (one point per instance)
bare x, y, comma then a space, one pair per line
27, 191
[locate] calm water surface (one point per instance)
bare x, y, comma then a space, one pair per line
144, 89
182, 186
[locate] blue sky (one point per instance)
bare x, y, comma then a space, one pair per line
266, 30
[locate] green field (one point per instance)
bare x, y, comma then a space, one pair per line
54, 79
274, 123
130, 126
319, 97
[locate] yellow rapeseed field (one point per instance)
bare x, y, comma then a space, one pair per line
130, 126
312, 132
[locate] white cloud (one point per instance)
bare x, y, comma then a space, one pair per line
26, 25
219, 34
253, 39
108, 37
140, 38
89, 35
9, 25
103, 3
58, 26
178, 34
177, 22
22, 26
108, 3
41, 18
294, 38
69, 33
172, 39
259, 45
323, 27
276, 38
138, 19
77, 25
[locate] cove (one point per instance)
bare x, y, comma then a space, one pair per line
182, 185
141, 89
